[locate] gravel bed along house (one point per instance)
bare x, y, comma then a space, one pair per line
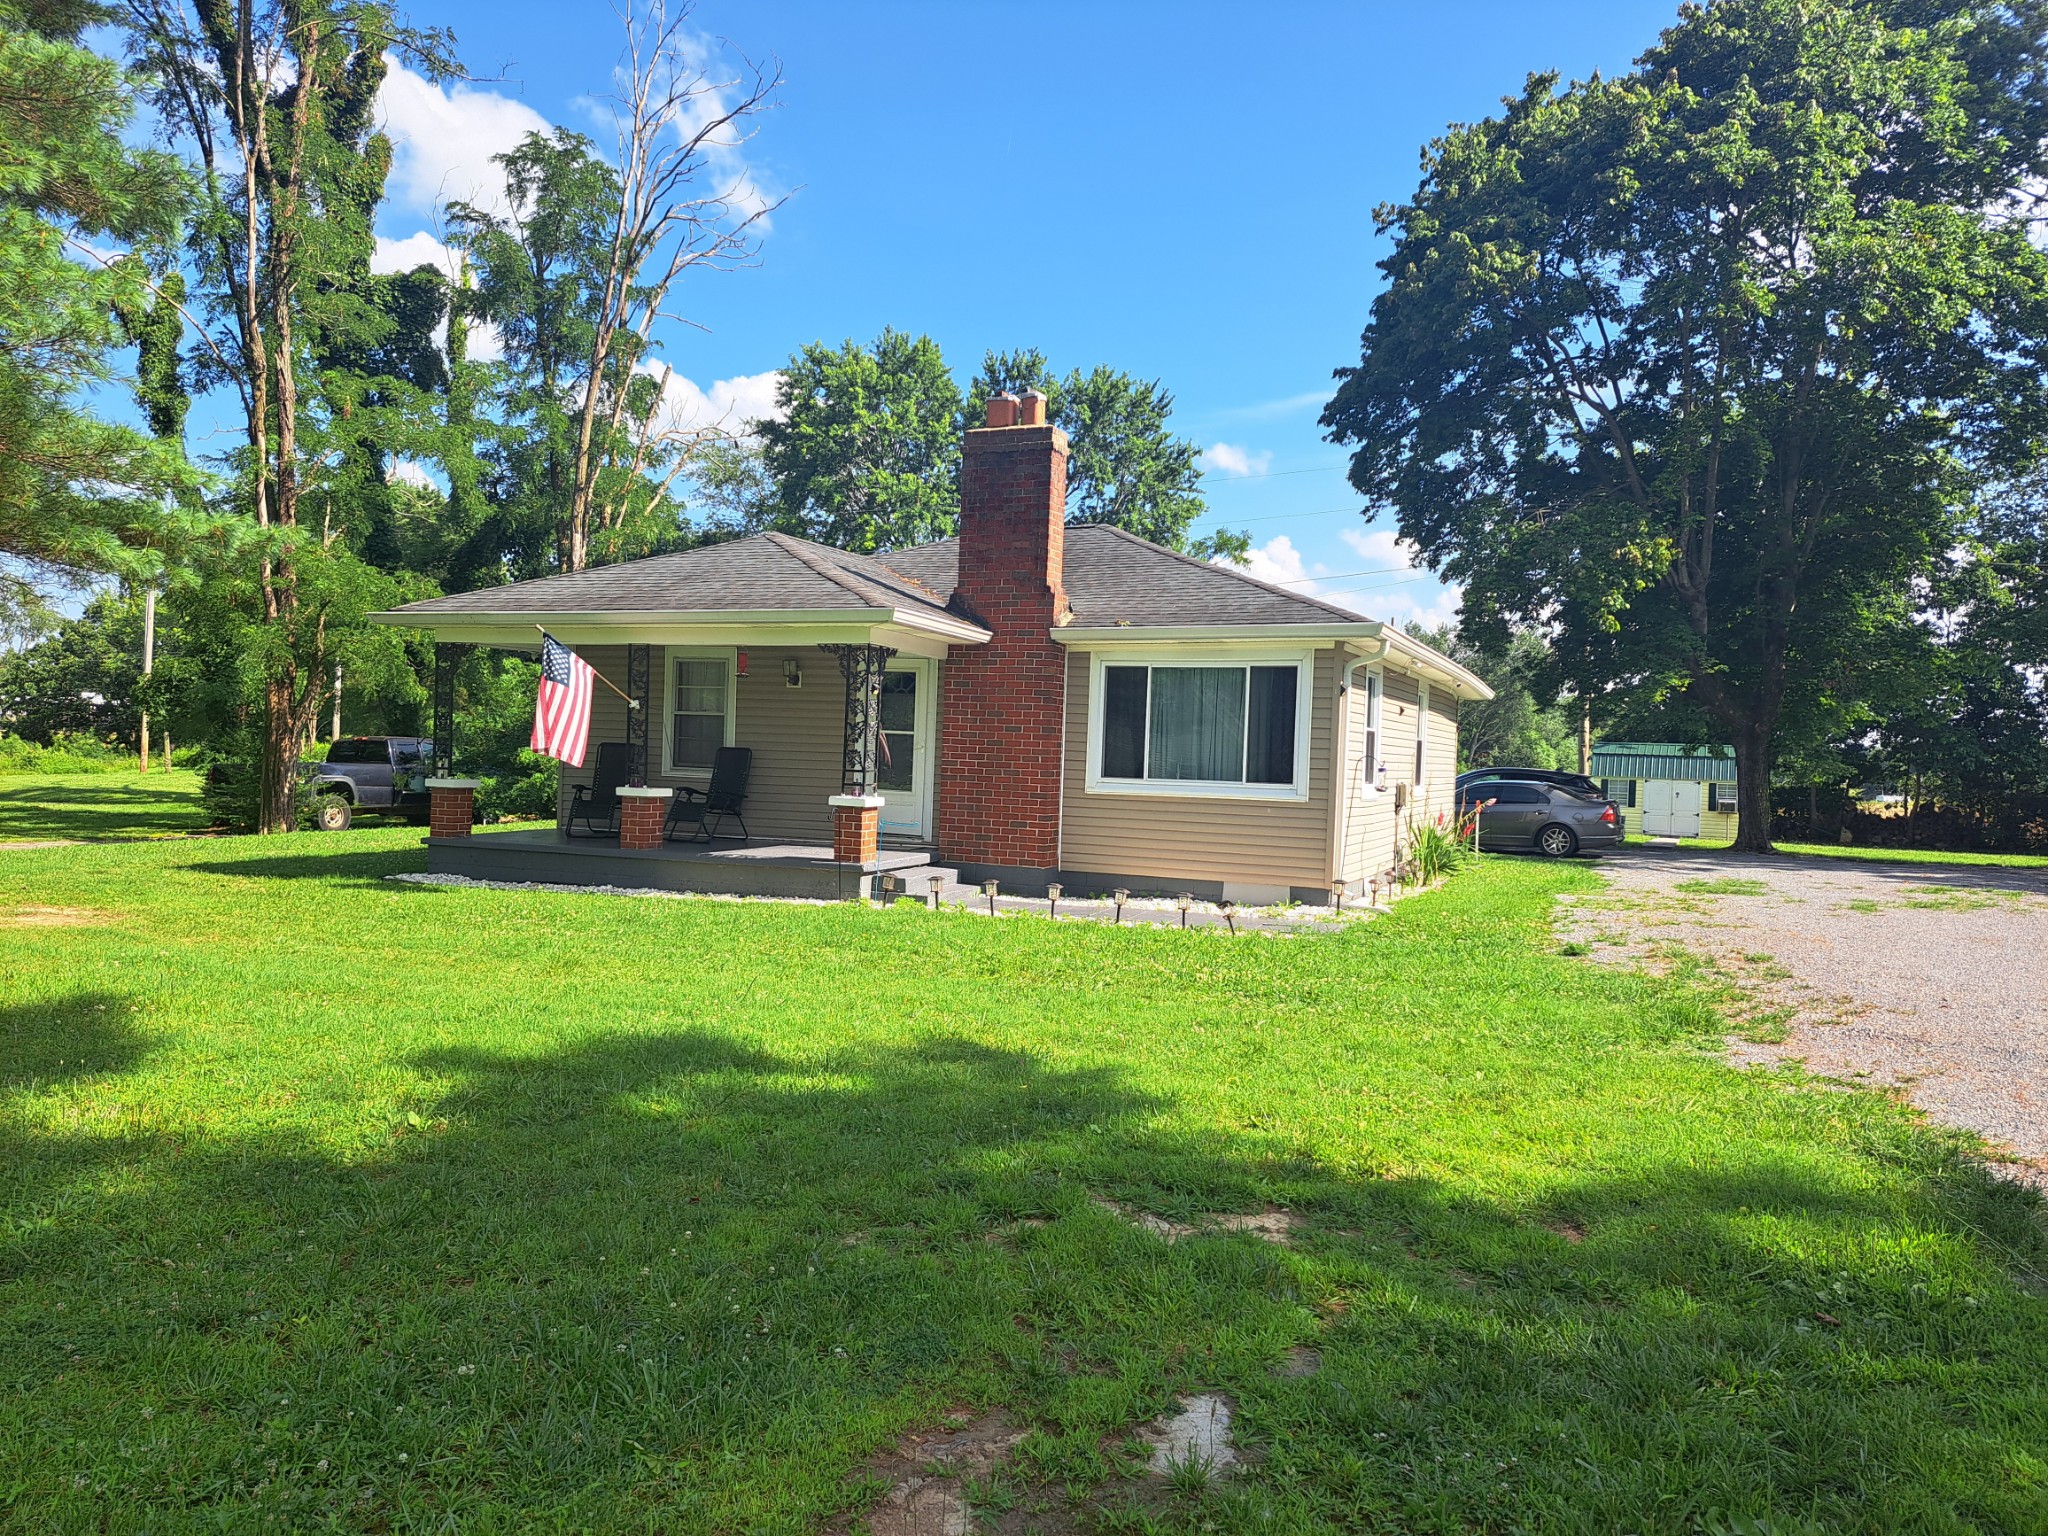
1929, 978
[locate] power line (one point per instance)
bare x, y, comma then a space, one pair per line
1274, 474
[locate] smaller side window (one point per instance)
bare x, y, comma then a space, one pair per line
1374, 699
1422, 736
1720, 797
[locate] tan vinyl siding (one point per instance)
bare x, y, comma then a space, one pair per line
1372, 826
795, 734
1191, 838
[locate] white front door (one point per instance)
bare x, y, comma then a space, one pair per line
1671, 808
910, 713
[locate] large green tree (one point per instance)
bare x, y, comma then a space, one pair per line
865, 453
273, 102
79, 494
1697, 366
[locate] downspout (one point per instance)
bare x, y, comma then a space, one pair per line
1340, 741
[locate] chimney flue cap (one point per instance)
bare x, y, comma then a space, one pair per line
1002, 410
1033, 409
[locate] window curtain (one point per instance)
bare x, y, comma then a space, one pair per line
1269, 727
1198, 724
1123, 722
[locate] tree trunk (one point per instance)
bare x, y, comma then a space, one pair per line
1753, 790
283, 734
1586, 735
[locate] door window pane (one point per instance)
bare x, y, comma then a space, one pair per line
1123, 722
1269, 726
697, 701
897, 744
1197, 724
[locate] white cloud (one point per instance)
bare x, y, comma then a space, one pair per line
727, 406
1381, 548
443, 138
406, 472
1387, 584
1229, 459
415, 250
1287, 405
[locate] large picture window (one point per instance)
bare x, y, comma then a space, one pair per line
1195, 725
699, 703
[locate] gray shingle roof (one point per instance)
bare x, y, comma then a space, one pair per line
1114, 577
768, 572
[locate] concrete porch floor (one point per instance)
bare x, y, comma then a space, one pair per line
723, 867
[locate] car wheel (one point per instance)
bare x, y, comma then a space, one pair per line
333, 814
1555, 842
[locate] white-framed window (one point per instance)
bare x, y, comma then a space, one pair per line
1375, 688
1720, 797
1422, 735
1179, 724
699, 714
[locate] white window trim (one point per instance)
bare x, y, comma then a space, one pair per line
927, 734
1373, 679
1304, 663
1421, 738
670, 654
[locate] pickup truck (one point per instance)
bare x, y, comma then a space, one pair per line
369, 773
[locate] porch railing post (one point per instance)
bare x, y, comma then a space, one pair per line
863, 667
448, 658
639, 684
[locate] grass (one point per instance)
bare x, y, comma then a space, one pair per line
1728, 887
1884, 855
335, 1204
118, 805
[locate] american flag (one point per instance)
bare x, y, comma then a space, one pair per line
561, 716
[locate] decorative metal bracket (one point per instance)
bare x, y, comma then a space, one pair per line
863, 667
639, 659
449, 656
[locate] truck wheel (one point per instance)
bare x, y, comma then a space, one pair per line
333, 813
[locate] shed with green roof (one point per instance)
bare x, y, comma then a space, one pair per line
1669, 789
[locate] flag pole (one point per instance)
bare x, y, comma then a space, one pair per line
631, 702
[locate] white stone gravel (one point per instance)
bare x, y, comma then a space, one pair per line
1930, 978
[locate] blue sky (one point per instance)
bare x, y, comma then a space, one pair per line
1185, 192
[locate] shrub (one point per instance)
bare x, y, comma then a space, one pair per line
1440, 847
525, 790
68, 752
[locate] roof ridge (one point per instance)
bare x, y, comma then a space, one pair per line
845, 580
929, 595
1231, 570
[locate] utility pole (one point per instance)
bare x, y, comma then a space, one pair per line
1585, 734
148, 660
334, 734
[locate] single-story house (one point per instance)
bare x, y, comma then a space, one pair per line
1668, 790
1031, 701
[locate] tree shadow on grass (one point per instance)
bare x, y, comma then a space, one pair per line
328, 865
679, 1280
98, 813
91, 1033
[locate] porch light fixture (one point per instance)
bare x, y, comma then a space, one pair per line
792, 673
938, 884
1229, 913
1184, 900
988, 889
1121, 898
741, 668
1052, 896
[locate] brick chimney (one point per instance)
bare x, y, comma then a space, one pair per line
1002, 726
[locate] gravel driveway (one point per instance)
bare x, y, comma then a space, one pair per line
1932, 978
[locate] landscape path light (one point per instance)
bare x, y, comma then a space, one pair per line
1121, 898
988, 889
1052, 897
1229, 913
1184, 900
938, 884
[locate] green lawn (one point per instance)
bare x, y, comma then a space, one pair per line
338, 1204
98, 806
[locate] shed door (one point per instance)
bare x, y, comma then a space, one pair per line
1671, 808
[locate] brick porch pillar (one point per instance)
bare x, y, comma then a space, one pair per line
856, 828
451, 807
642, 813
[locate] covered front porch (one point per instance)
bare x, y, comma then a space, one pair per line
722, 867
823, 666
